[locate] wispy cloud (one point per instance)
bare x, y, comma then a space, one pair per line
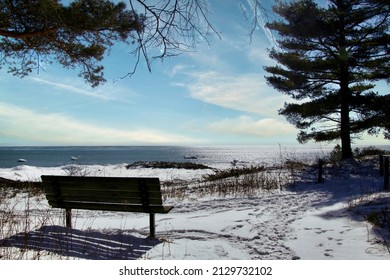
29, 126
246, 92
178, 69
257, 53
245, 125
104, 92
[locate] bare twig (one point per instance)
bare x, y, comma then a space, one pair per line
171, 28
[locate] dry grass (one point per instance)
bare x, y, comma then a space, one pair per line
22, 210
236, 182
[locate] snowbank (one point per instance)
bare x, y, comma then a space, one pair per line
307, 221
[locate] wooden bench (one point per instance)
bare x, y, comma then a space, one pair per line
105, 193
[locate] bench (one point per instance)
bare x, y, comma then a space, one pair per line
125, 194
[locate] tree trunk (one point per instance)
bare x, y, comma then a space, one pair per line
345, 128
344, 93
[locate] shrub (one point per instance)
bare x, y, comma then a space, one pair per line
9, 188
379, 218
76, 170
233, 172
335, 155
369, 151
166, 165
245, 185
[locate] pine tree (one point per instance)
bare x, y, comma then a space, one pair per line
32, 31
80, 33
329, 59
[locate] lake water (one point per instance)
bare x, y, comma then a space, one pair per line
105, 155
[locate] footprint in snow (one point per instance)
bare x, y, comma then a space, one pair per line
220, 251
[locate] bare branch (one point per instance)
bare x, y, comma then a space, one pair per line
259, 18
171, 27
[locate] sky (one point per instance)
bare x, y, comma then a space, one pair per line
214, 95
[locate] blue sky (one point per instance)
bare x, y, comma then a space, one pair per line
216, 95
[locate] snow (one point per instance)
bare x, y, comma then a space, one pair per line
307, 221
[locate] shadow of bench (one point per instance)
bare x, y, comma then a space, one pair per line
90, 244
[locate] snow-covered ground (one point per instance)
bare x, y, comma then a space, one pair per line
306, 221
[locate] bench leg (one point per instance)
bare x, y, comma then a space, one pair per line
152, 223
68, 218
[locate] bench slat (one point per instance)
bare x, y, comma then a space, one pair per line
50, 190
116, 207
102, 183
103, 186
110, 199
102, 193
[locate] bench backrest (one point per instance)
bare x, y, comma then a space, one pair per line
104, 193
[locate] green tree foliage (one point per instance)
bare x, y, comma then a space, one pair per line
329, 59
80, 33
33, 31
